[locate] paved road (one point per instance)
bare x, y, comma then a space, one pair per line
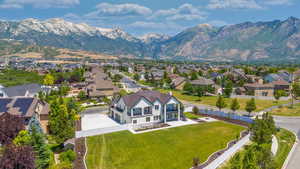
292, 124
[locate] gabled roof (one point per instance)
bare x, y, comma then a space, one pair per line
22, 106
150, 95
202, 81
22, 89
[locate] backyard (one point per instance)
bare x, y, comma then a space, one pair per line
163, 149
12, 77
287, 110
211, 100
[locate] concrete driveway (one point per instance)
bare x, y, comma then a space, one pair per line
292, 124
97, 121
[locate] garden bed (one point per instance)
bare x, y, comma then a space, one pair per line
80, 152
150, 127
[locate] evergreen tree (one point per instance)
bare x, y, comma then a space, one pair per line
194, 75
41, 149
250, 106
228, 88
221, 103
234, 105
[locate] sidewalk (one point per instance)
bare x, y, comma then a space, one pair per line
229, 153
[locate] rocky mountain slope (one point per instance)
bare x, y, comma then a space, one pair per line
246, 41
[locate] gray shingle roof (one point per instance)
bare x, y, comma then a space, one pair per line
22, 89
151, 96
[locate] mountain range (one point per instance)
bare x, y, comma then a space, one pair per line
273, 40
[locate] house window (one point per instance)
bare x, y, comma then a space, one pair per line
134, 121
156, 118
147, 110
137, 111
171, 107
156, 107
265, 93
148, 119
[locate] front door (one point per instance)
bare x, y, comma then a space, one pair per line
171, 116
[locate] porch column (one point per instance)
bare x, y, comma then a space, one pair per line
165, 113
178, 111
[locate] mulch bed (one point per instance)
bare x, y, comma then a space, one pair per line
156, 126
80, 151
219, 153
78, 124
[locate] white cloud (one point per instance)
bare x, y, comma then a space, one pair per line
278, 2
38, 3
238, 4
184, 12
112, 10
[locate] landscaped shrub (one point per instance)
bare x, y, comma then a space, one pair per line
67, 156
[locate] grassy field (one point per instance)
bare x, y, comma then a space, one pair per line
172, 148
18, 77
287, 111
286, 141
211, 100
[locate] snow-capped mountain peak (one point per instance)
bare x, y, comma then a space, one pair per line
62, 27
151, 37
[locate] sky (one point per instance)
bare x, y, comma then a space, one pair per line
140, 17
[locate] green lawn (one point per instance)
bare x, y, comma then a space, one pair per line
286, 141
172, 148
287, 111
191, 115
211, 100
18, 77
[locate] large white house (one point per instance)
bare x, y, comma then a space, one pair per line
145, 106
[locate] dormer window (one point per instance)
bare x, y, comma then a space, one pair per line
156, 107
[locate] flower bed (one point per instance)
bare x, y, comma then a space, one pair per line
80, 151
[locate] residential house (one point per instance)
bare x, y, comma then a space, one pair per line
201, 81
27, 108
145, 106
100, 85
178, 83
258, 89
27, 90
278, 76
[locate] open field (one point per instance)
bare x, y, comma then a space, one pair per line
18, 77
211, 100
172, 148
287, 110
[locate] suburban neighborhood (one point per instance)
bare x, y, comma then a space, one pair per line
141, 97
128, 84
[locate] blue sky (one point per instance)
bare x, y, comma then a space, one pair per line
146, 16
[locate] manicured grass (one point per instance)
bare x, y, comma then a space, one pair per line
211, 100
286, 141
172, 148
287, 111
18, 77
191, 115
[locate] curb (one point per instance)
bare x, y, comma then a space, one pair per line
287, 160
86, 150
